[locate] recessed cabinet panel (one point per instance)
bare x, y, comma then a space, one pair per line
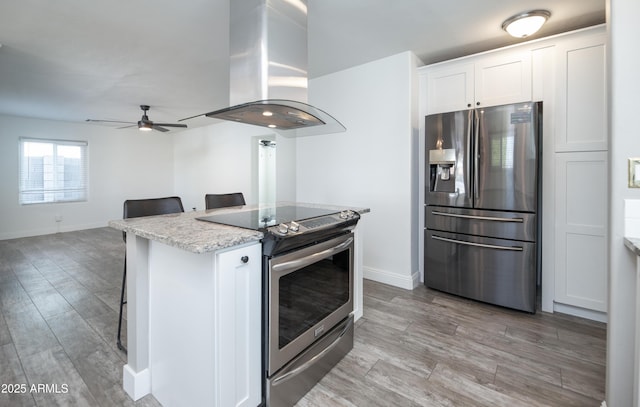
582, 120
586, 284
586, 96
237, 310
581, 229
586, 195
503, 79
449, 88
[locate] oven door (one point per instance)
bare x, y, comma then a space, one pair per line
310, 291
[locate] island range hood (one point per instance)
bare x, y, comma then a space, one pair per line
268, 69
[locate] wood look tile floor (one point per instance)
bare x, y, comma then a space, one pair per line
59, 311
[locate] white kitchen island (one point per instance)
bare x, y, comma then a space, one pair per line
194, 292
193, 311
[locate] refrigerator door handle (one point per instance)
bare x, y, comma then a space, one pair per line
470, 159
486, 246
476, 155
491, 218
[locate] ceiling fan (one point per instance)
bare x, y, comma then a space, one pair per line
144, 124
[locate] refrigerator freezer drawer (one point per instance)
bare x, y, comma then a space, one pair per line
496, 271
501, 225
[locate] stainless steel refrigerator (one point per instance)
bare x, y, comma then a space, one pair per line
482, 204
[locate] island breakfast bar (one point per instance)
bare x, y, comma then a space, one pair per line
194, 309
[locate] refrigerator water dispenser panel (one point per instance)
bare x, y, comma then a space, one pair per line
442, 170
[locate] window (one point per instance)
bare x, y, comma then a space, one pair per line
52, 171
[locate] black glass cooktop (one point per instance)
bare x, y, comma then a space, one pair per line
263, 218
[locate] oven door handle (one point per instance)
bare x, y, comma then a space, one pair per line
313, 360
305, 261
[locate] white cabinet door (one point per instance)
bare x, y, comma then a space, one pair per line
503, 79
237, 303
450, 87
581, 94
581, 229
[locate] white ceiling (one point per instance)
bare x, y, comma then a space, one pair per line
75, 59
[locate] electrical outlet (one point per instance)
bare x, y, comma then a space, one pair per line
58, 218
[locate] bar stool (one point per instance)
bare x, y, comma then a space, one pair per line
212, 201
135, 208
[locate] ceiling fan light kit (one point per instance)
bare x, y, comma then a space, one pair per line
144, 126
525, 24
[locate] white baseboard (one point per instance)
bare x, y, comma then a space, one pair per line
51, 230
136, 384
408, 282
580, 312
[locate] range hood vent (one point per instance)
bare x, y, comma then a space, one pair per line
268, 69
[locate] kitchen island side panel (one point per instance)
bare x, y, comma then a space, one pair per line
204, 326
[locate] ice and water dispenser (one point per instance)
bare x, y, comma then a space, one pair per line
442, 163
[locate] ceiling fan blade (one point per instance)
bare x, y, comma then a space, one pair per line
107, 121
143, 122
184, 126
192, 117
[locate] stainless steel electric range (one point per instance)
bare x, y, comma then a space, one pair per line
308, 267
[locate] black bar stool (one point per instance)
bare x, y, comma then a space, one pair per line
212, 201
135, 208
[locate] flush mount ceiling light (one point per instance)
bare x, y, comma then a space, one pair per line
525, 24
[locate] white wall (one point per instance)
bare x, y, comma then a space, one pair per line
624, 69
123, 164
223, 158
372, 163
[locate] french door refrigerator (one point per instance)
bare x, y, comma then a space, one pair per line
482, 204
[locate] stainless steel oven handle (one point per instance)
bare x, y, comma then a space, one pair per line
486, 246
305, 261
491, 218
311, 361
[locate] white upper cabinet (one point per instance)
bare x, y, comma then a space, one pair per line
450, 87
581, 94
487, 80
503, 79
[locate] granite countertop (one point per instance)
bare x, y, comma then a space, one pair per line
184, 231
633, 243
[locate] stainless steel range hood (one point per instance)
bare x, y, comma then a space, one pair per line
268, 69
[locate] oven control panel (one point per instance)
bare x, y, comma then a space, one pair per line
308, 225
